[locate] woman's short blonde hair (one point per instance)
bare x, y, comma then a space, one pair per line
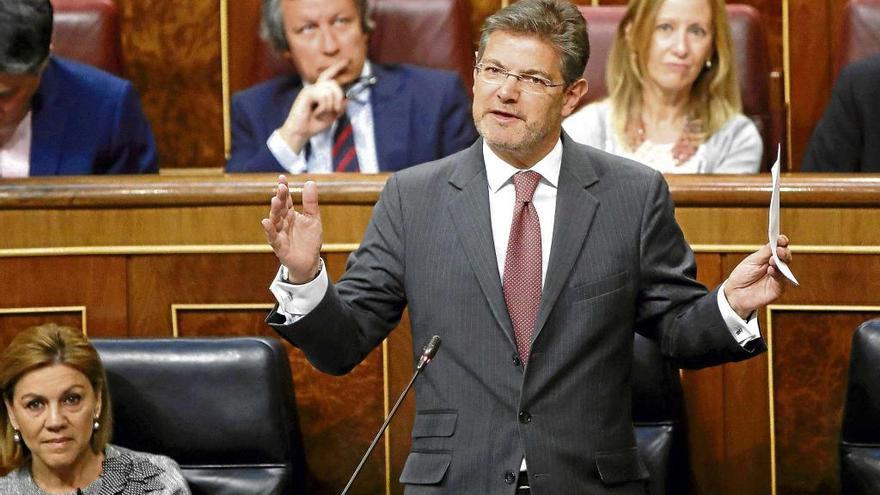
42, 346
714, 97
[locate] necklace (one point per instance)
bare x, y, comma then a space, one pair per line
685, 146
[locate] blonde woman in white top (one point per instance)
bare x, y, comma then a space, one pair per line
673, 100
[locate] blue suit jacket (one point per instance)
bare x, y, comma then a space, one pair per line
419, 115
86, 121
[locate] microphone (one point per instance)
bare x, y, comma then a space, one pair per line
428, 353
353, 88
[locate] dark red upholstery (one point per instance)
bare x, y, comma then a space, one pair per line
432, 33
88, 31
749, 48
601, 26
860, 32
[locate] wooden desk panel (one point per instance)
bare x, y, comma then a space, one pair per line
164, 256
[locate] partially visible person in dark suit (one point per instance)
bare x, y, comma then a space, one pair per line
342, 112
59, 117
847, 138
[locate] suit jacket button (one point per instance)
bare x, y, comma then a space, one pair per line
516, 360
525, 417
509, 477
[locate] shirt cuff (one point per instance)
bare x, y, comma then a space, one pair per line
743, 331
298, 300
293, 162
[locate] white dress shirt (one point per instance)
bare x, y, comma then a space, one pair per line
15, 155
502, 199
316, 157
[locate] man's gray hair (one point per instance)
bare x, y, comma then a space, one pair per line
25, 35
272, 25
556, 21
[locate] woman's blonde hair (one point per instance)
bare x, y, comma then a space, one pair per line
38, 347
714, 97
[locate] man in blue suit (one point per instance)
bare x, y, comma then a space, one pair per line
59, 117
343, 113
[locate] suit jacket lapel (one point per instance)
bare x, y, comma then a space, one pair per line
575, 209
469, 209
390, 119
48, 119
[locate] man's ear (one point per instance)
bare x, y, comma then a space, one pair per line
574, 95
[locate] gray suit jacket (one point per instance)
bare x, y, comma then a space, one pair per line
618, 262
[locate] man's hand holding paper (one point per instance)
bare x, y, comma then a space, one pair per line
759, 279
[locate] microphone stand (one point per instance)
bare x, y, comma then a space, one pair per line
427, 355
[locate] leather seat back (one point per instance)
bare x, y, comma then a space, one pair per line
88, 31
657, 416
860, 32
224, 409
860, 432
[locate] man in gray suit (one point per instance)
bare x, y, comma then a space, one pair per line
534, 258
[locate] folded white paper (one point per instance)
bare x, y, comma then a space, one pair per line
773, 230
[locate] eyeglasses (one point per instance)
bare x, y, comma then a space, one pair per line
491, 74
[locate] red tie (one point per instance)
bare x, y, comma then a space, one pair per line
522, 267
344, 155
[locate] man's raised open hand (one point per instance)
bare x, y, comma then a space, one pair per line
295, 237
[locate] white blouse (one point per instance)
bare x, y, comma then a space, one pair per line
735, 149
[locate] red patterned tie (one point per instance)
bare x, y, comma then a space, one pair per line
344, 155
522, 267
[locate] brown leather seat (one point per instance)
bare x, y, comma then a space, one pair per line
749, 48
860, 33
88, 31
431, 33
